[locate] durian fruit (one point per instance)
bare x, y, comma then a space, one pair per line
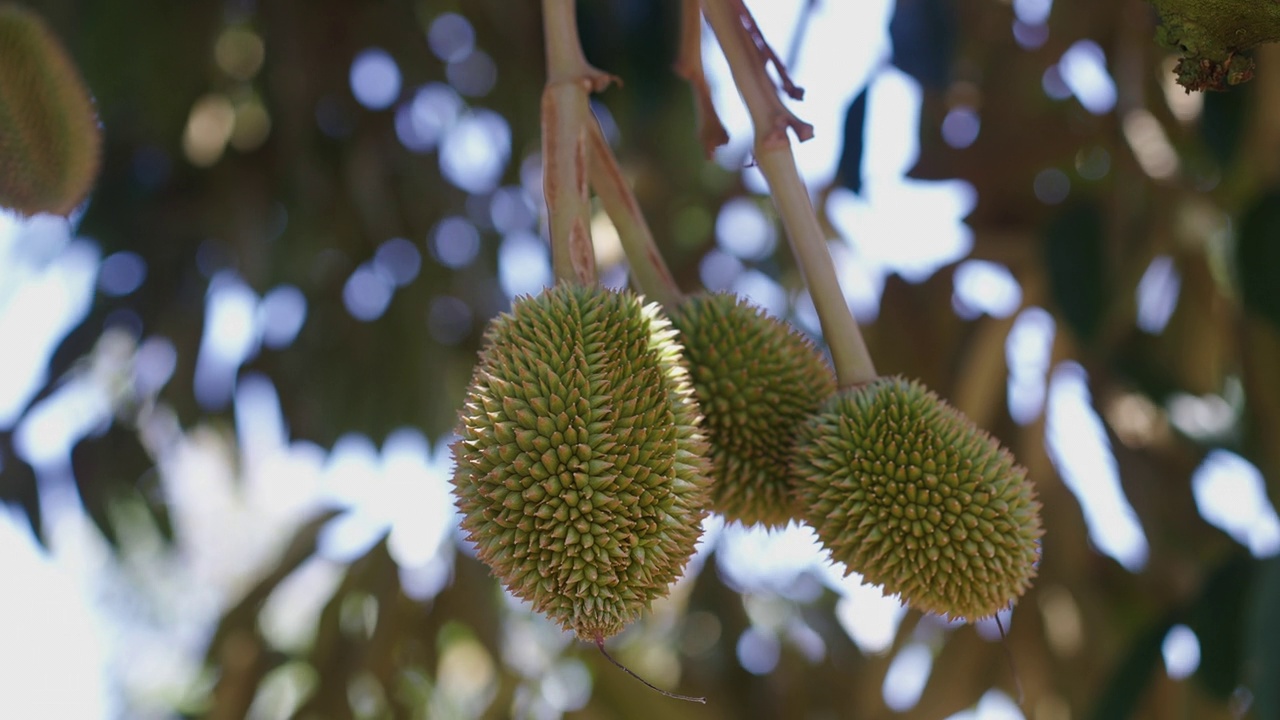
49, 136
757, 380
906, 490
580, 468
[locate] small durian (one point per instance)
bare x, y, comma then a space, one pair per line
580, 466
907, 491
757, 380
49, 137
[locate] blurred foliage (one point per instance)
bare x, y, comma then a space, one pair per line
331, 181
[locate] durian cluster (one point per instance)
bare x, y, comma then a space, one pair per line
597, 433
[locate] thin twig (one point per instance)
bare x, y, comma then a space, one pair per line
620, 203
773, 154
566, 113
688, 65
651, 686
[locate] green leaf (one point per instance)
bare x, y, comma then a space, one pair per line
1218, 619
1258, 256
18, 485
1262, 651
1075, 262
107, 468
1128, 683
1222, 123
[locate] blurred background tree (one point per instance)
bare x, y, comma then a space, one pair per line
228, 384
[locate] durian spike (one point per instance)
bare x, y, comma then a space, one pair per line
566, 117
757, 380
581, 472
49, 137
904, 489
651, 686
730, 20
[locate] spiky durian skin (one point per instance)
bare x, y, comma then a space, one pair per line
49, 137
580, 467
757, 381
906, 490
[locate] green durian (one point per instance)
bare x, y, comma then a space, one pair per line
757, 380
581, 474
49, 137
907, 491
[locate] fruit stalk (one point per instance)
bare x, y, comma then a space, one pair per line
647, 265
729, 20
566, 114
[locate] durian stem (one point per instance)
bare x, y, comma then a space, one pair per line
651, 686
688, 65
647, 265
566, 113
1008, 655
742, 46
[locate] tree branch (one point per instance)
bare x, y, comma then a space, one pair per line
615, 194
566, 113
773, 154
1211, 34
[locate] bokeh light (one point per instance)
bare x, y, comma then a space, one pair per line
121, 273
475, 151
455, 242
906, 678
1078, 446
451, 37
1181, 651
367, 292
375, 79
1084, 71
1231, 495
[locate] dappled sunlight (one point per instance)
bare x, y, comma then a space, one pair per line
1150, 144
1181, 651
46, 287
982, 287
758, 651
868, 616
1084, 71
82, 405
961, 126
524, 264
1157, 294
475, 151
49, 634
1028, 352
1231, 496
743, 231
375, 79
907, 676
225, 408
753, 559
763, 291
427, 116
1078, 445
890, 234
850, 36
995, 705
